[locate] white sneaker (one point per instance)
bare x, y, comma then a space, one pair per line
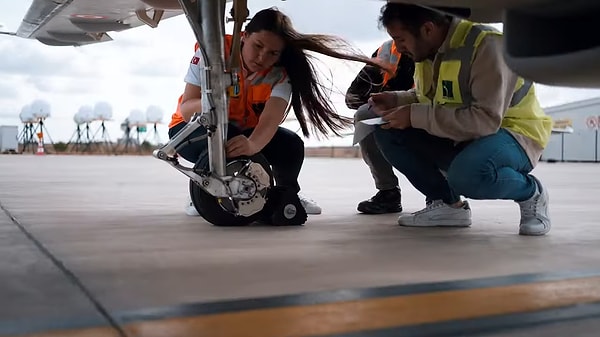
535, 218
310, 206
438, 214
190, 209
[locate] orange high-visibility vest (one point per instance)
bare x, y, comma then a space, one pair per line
389, 53
245, 109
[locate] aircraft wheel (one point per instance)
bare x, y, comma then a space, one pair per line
215, 209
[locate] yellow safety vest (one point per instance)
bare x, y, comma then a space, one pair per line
524, 115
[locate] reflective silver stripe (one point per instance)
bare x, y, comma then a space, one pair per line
521, 93
271, 78
385, 53
464, 54
385, 50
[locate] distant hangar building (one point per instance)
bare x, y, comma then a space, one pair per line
580, 145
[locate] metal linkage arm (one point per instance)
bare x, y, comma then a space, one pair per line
206, 17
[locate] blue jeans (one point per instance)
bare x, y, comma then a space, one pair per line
491, 167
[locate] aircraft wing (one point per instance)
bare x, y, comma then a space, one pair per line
82, 22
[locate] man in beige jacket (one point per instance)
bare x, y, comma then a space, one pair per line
471, 127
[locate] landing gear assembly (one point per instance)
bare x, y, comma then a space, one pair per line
226, 191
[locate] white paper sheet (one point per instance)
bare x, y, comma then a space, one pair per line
374, 121
365, 127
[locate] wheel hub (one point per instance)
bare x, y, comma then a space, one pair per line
253, 189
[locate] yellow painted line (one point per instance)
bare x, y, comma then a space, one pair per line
365, 314
377, 313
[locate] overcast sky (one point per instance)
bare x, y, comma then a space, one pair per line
146, 66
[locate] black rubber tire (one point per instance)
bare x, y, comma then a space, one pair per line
208, 206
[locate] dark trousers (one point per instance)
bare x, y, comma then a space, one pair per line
285, 152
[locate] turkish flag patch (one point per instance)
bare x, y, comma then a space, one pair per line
195, 60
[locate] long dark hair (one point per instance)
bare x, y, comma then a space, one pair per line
411, 16
306, 90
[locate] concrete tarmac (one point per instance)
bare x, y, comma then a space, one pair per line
83, 238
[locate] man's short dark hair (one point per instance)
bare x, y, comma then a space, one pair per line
411, 16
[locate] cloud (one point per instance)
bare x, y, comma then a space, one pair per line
355, 20
7, 115
27, 57
7, 88
145, 66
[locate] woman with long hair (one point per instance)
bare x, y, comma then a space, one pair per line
277, 72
